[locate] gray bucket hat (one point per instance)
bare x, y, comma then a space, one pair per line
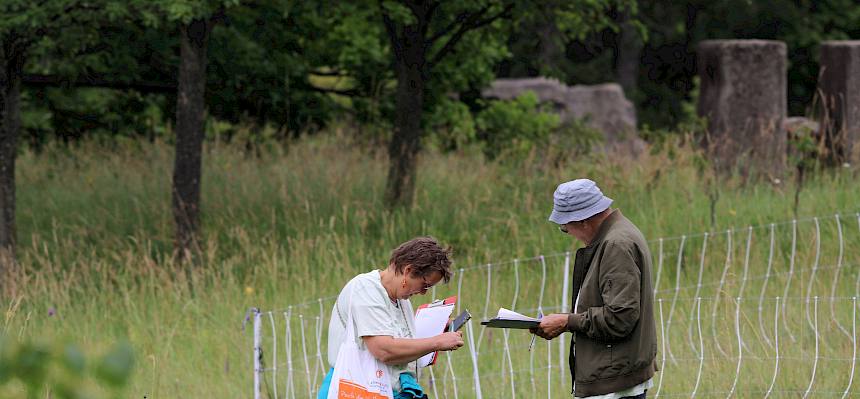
577, 200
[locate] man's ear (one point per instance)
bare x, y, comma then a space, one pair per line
407, 270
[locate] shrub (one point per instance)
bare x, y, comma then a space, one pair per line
62, 370
514, 127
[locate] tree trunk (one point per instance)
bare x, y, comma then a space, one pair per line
406, 142
11, 65
550, 48
190, 119
629, 52
410, 45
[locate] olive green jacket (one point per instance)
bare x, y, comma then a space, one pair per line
614, 343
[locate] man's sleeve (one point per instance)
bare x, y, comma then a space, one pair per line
370, 312
620, 284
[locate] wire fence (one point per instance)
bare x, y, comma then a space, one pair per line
762, 311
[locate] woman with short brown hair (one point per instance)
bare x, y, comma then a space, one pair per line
383, 317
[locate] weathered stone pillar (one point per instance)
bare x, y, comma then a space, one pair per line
743, 97
839, 85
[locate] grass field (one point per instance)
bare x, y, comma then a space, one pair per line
293, 225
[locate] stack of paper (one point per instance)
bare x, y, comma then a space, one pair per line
510, 319
430, 321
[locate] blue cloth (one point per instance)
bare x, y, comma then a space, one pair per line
409, 387
323, 393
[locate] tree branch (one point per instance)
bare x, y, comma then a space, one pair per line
219, 16
427, 17
328, 73
76, 6
49, 27
348, 93
34, 80
463, 16
392, 32
471, 24
423, 12
432, 8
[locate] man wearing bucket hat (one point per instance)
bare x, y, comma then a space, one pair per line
613, 346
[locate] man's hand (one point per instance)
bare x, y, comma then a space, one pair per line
551, 326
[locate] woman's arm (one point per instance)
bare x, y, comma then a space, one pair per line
390, 350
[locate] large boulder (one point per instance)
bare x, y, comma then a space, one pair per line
603, 106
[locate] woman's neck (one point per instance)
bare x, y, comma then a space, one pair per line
389, 282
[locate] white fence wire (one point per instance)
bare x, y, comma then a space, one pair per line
772, 312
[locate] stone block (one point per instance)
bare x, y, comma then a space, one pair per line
839, 88
743, 97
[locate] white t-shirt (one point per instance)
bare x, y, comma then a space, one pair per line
373, 314
635, 391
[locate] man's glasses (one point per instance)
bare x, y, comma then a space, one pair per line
563, 227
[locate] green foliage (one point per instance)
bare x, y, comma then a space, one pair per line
514, 127
451, 126
116, 366
69, 39
691, 126
804, 151
265, 54
471, 62
260, 60
356, 43
62, 369
266, 59
181, 11
463, 67
95, 112
564, 39
574, 138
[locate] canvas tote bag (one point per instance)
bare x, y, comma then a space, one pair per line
357, 374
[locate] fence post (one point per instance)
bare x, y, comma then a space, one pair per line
258, 353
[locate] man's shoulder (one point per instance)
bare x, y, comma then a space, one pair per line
624, 240
624, 232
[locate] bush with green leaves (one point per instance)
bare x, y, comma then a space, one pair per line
451, 126
572, 139
514, 127
35, 369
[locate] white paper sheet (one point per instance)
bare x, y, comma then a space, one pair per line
430, 322
511, 315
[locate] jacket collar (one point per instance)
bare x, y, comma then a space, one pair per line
607, 224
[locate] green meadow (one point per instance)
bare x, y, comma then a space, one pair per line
286, 226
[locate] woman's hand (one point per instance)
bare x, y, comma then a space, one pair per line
391, 351
450, 341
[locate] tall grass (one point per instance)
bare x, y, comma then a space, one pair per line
294, 223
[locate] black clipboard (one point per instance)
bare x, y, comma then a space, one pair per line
508, 323
461, 320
